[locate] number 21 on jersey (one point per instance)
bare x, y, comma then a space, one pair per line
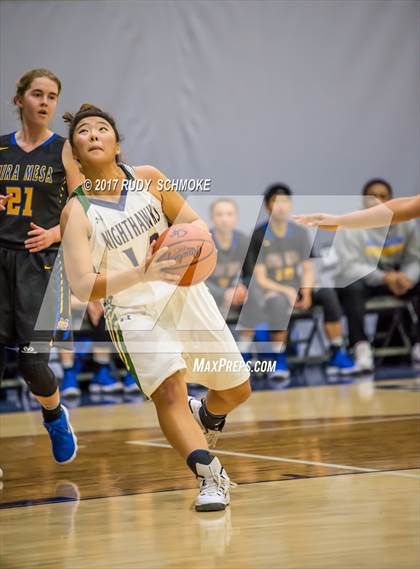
21, 201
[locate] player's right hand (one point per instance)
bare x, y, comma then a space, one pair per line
155, 270
397, 282
4, 200
321, 220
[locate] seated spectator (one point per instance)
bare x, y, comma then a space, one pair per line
227, 282
377, 262
280, 250
93, 328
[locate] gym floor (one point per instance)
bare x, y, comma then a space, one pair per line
328, 476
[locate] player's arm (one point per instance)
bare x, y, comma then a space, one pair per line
40, 238
382, 215
175, 208
307, 284
85, 283
74, 177
404, 209
307, 280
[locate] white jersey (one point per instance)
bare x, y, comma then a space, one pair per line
120, 238
156, 338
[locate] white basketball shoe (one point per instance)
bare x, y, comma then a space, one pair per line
214, 487
364, 356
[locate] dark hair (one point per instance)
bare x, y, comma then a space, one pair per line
88, 110
223, 200
24, 83
374, 181
276, 189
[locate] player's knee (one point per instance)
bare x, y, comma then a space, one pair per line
36, 372
278, 312
170, 391
277, 304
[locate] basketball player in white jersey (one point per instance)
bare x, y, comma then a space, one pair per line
153, 323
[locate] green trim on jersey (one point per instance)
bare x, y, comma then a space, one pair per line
81, 196
118, 340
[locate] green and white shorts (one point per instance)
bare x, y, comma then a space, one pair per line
183, 332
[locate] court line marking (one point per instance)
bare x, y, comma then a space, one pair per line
281, 459
299, 427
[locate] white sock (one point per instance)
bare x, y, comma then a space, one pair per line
102, 359
247, 344
279, 347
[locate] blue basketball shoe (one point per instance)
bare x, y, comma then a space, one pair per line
69, 386
63, 439
340, 363
104, 382
130, 384
282, 368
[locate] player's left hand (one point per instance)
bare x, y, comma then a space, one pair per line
39, 238
305, 301
321, 220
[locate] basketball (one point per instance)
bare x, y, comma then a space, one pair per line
193, 250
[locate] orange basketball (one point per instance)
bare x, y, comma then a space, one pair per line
193, 250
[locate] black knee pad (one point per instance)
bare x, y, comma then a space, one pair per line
36, 372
